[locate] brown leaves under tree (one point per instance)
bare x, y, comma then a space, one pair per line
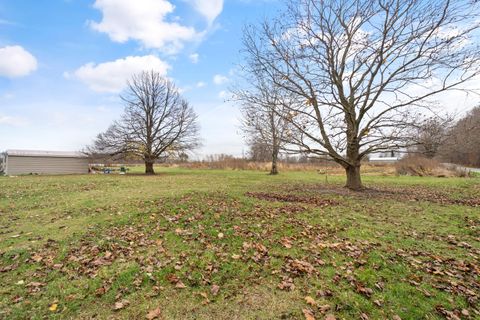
359, 71
157, 122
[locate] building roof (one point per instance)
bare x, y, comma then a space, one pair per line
384, 158
43, 153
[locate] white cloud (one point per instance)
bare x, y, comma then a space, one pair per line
210, 9
194, 57
145, 21
15, 62
201, 84
112, 76
218, 79
182, 90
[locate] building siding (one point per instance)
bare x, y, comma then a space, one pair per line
45, 165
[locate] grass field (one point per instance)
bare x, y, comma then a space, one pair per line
213, 244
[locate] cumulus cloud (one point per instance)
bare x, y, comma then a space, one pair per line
201, 84
112, 76
210, 9
219, 79
16, 62
145, 21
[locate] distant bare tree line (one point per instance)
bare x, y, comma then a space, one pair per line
462, 144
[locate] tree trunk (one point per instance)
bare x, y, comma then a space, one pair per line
149, 167
274, 169
354, 180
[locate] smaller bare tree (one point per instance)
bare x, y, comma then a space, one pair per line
430, 134
258, 151
263, 118
157, 122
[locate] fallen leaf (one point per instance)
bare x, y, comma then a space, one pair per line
180, 285
324, 293
287, 243
121, 304
35, 284
324, 308
286, 284
70, 297
37, 258
172, 278
298, 267
364, 316
100, 291
214, 290
363, 290
330, 317
220, 235
53, 307
309, 300
308, 314
154, 314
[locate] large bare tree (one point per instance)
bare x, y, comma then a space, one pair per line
156, 122
263, 120
361, 70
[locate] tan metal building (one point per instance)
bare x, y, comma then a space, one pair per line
17, 162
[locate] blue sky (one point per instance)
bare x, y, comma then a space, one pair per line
64, 62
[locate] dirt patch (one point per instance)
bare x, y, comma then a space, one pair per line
292, 198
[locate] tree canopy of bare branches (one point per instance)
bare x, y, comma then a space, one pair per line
360, 70
263, 120
156, 122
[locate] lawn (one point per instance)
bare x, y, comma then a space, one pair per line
213, 244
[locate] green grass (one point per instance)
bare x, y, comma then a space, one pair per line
88, 243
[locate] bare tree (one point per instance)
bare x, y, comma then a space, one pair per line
361, 69
258, 151
263, 119
430, 134
156, 123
